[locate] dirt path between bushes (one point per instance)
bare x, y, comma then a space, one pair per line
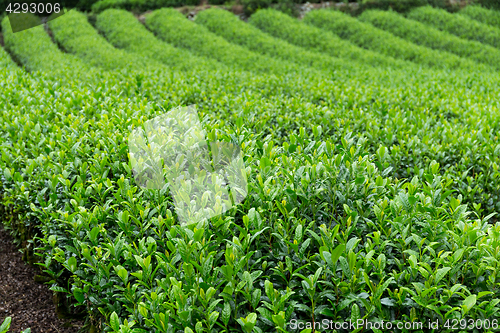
27, 302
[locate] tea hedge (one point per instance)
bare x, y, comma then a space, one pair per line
230, 27
172, 27
124, 31
483, 15
290, 85
367, 36
38, 51
457, 24
76, 35
337, 225
422, 34
282, 26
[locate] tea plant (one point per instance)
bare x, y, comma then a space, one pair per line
367, 36
457, 24
422, 34
76, 35
172, 27
6, 62
124, 31
482, 15
239, 32
282, 26
35, 54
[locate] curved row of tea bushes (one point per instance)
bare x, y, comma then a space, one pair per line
367, 36
77, 36
280, 25
172, 27
483, 15
230, 27
457, 24
425, 35
39, 52
122, 29
7, 64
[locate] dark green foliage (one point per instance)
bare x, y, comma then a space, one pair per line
288, 7
422, 34
367, 36
493, 4
397, 5
251, 6
140, 5
457, 24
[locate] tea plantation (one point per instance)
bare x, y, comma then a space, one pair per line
371, 151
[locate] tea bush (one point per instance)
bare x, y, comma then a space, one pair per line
75, 34
371, 192
457, 24
172, 27
282, 26
36, 53
230, 27
483, 15
422, 34
124, 31
367, 36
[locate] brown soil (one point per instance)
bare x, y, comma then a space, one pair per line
28, 303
